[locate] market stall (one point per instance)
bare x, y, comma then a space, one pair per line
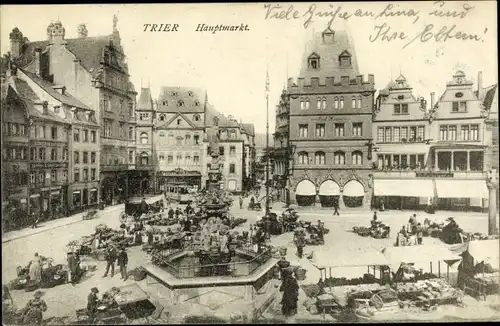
478, 272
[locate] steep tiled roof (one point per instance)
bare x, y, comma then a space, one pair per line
24, 90
248, 128
48, 87
32, 111
489, 97
224, 121
329, 52
192, 100
87, 49
145, 102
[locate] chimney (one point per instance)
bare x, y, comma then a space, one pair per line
480, 84
82, 31
56, 33
38, 70
16, 40
433, 100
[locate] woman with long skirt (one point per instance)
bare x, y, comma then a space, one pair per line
290, 289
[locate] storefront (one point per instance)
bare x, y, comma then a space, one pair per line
461, 195
353, 194
77, 200
305, 193
15, 212
93, 197
56, 203
329, 193
402, 193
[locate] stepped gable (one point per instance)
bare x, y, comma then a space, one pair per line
181, 100
145, 102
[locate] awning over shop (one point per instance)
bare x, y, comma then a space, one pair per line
353, 189
34, 195
481, 250
55, 193
348, 258
461, 189
419, 254
306, 188
93, 189
404, 188
77, 191
329, 188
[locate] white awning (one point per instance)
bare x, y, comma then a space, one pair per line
353, 189
306, 188
403, 188
35, 195
93, 189
77, 191
461, 188
329, 188
54, 193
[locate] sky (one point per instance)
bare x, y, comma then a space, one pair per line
232, 66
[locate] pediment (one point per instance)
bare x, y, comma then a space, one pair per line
179, 121
345, 53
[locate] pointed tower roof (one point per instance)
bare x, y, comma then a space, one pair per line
145, 102
329, 46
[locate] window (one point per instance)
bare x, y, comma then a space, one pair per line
221, 151
336, 103
122, 130
122, 107
380, 134
232, 168
307, 104
232, 151
188, 140
303, 158
65, 175
93, 136
464, 133
318, 104
86, 135
32, 178
178, 122
178, 141
92, 174
420, 133
474, 132
357, 158
323, 104
76, 175
353, 102
196, 139
107, 128
53, 176
460, 106
188, 160
77, 157
196, 160
162, 117
396, 136
313, 62
41, 178
388, 135
319, 158
320, 130
178, 159
53, 132
170, 159
401, 108
357, 129
106, 103
76, 135
41, 154
53, 154
196, 118
85, 158
359, 102
303, 130
131, 133
33, 154
339, 158
65, 154
339, 130
144, 138
345, 61
131, 157
42, 132
92, 158
131, 109
180, 103
341, 102
85, 174
144, 159
143, 116
404, 134
413, 133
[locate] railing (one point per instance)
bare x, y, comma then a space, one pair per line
235, 269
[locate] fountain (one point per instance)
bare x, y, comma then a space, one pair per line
210, 278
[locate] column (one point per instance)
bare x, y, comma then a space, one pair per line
492, 209
452, 161
436, 168
468, 161
341, 201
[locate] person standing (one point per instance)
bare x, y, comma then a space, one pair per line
35, 218
290, 289
36, 270
241, 202
92, 303
34, 310
73, 264
420, 233
110, 260
122, 263
177, 212
382, 205
300, 243
336, 207
144, 206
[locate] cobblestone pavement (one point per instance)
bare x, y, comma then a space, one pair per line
65, 299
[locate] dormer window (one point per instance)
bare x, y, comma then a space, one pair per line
57, 109
459, 94
190, 94
165, 103
196, 103
345, 59
196, 118
328, 35
162, 117
313, 61
180, 103
174, 94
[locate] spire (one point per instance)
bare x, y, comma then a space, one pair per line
115, 21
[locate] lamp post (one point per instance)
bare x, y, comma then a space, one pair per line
492, 183
267, 143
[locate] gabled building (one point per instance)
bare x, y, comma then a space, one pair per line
248, 135
282, 151
330, 128
178, 136
94, 71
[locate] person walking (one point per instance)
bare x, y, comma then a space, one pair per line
336, 207
92, 303
122, 263
290, 289
300, 243
110, 261
35, 218
73, 264
420, 233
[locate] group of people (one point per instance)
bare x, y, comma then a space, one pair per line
120, 257
412, 233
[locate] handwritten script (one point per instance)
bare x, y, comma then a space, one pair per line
383, 31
